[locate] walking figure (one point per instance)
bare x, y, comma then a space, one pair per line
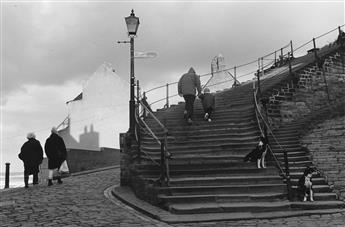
31, 153
56, 152
208, 101
188, 84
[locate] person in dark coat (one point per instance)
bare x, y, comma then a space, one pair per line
208, 101
56, 152
31, 153
188, 84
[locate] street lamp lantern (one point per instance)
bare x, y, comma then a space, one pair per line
132, 24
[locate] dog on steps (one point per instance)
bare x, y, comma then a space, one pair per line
305, 184
258, 154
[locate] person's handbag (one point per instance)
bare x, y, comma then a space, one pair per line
64, 170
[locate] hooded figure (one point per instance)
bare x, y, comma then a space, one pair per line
56, 152
31, 153
188, 85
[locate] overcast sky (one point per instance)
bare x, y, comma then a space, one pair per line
48, 48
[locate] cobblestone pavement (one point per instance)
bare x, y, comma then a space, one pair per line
80, 201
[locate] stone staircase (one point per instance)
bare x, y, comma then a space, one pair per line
207, 172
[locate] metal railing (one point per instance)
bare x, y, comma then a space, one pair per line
260, 119
164, 177
267, 62
234, 73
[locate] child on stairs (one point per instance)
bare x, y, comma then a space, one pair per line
208, 101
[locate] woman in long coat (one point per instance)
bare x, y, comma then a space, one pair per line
56, 152
31, 153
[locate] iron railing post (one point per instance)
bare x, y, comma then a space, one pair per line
290, 68
167, 156
137, 123
259, 89
262, 66
315, 52
144, 111
163, 174
291, 49
341, 36
264, 102
7, 175
235, 82
167, 96
287, 174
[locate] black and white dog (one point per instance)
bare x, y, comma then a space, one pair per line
258, 154
305, 184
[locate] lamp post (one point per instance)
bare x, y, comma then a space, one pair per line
132, 23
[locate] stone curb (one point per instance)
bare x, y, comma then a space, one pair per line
126, 195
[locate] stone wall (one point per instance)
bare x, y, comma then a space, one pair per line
312, 88
326, 143
81, 160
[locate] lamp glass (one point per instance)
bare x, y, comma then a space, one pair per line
132, 24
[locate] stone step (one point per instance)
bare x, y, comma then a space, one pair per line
203, 132
223, 145
225, 109
317, 205
217, 114
201, 142
222, 189
197, 172
199, 118
208, 135
223, 198
202, 125
316, 180
195, 165
301, 157
200, 151
316, 188
286, 145
196, 208
188, 159
228, 180
279, 134
283, 139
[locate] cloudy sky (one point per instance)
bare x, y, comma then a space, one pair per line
48, 48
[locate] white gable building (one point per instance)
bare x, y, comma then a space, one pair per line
98, 114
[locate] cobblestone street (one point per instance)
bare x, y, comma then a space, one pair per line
80, 201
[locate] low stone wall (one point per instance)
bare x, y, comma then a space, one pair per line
81, 160
326, 143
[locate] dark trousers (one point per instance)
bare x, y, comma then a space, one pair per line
208, 110
34, 180
189, 99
